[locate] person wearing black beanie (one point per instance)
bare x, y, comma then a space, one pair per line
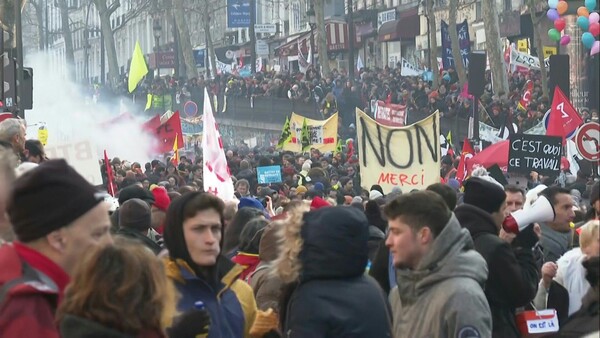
134, 222
57, 216
194, 236
512, 272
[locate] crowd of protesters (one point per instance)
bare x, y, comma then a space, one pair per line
316, 255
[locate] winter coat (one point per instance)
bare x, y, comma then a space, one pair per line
27, 308
512, 278
266, 284
229, 300
333, 297
571, 276
555, 243
584, 321
78, 327
443, 296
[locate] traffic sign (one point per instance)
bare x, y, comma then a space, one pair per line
265, 28
588, 141
190, 108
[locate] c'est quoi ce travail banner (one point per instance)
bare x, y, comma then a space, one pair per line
406, 157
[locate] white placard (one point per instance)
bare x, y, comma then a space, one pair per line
265, 28
81, 155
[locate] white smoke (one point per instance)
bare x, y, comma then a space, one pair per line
71, 116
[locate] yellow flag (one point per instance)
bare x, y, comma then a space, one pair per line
449, 137
286, 134
338, 147
148, 102
137, 68
175, 158
305, 137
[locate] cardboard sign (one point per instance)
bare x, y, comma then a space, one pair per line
323, 134
404, 157
82, 156
539, 153
270, 174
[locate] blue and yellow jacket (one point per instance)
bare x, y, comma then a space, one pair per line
230, 301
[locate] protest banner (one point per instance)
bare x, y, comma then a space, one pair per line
165, 131
81, 155
538, 153
390, 114
267, 175
409, 69
526, 61
404, 157
323, 134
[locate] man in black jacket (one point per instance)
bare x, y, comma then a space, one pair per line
134, 223
512, 278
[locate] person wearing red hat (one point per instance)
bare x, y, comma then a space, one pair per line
159, 208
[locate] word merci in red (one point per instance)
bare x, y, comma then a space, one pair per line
402, 179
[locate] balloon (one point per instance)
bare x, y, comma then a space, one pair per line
583, 22
559, 24
590, 5
553, 34
588, 40
595, 29
582, 11
595, 48
562, 7
552, 14
564, 40
594, 17
552, 3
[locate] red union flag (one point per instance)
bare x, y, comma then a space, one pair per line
389, 114
463, 169
217, 178
563, 119
526, 98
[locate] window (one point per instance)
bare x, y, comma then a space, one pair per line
507, 5
478, 15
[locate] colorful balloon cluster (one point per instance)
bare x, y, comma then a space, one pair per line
558, 8
587, 20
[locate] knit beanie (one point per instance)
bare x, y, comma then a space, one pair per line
46, 198
484, 194
318, 203
135, 214
161, 198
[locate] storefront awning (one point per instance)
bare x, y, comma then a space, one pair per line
405, 27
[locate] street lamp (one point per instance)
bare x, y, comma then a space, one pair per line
157, 30
312, 21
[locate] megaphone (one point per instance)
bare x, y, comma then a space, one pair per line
540, 211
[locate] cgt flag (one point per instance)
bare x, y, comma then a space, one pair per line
286, 134
563, 119
305, 137
526, 98
137, 68
110, 185
463, 169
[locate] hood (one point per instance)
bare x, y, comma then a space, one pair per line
335, 243
476, 220
452, 255
267, 250
323, 244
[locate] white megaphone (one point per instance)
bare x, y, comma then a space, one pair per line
540, 211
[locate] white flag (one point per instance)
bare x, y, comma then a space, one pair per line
359, 63
217, 178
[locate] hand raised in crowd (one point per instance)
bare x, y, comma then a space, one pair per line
549, 270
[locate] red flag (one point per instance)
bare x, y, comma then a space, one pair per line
166, 132
110, 185
526, 98
467, 153
563, 119
152, 124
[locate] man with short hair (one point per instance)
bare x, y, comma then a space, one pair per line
34, 151
557, 236
440, 276
513, 276
7, 175
242, 187
57, 217
515, 198
12, 135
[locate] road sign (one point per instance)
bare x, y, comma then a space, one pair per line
588, 141
265, 28
262, 47
238, 13
190, 108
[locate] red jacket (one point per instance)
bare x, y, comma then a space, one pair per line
27, 308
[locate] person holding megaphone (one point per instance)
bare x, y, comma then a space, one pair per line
513, 275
